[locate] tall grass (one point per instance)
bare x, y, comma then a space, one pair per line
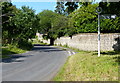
86, 66
11, 49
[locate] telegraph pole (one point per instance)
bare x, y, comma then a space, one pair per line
98, 10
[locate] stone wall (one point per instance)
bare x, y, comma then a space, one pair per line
89, 41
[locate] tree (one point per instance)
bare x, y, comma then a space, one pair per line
52, 25
84, 19
25, 24
71, 6
60, 25
19, 25
84, 3
110, 7
7, 13
46, 26
60, 8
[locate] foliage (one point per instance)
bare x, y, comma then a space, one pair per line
25, 45
84, 20
11, 49
110, 25
60, 9
83, 3
7, 9
66, 7
19, 25
71, 6
60, 25
25, 23
46, 17
110, 7
52, 25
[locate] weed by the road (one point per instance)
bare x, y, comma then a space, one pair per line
87, 66
10, 49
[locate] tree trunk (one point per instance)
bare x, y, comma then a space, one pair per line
9, 36
52, 41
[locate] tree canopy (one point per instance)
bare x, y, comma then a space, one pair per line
52, 25
19, 25
85, 19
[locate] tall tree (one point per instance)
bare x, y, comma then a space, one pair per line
71, 6
25, 22
46, 25
60, 8
60, 25
110, 7
18, 25
84, 19
84, 3
7, 13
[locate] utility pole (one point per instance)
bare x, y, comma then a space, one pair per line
98, 10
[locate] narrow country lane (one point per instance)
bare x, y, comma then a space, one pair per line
40, 64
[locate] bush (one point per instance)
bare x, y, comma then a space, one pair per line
24, 44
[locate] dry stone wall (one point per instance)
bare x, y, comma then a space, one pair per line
89, 41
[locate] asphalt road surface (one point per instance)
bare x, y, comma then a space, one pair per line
40, 64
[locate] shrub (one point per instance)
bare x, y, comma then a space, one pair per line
24, 44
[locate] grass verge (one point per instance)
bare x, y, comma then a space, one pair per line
11, 49
86, 66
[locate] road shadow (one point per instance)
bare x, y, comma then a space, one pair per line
10, 56
37, 47
14, 57
45, 48
107, 53
41, 45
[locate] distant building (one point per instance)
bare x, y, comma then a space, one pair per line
40, 36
